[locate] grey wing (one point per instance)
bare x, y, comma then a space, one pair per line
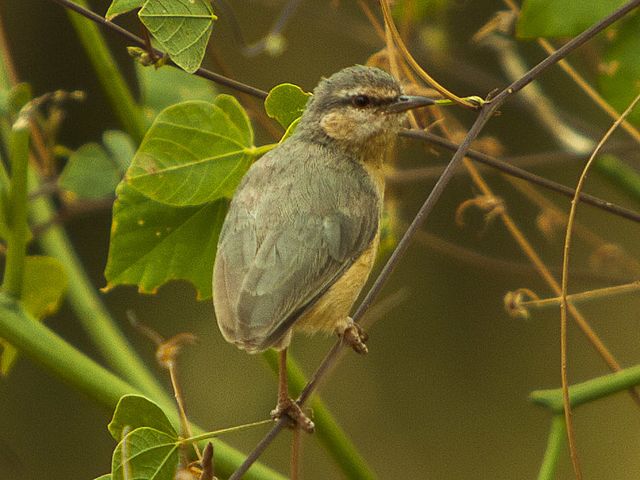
270, 267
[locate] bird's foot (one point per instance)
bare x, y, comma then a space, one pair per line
355, 337
289, 408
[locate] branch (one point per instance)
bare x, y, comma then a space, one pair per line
485, 114
201, 72
588, 391
523, 174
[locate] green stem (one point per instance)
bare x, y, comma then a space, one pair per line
89, 309
555, 444
620, 174
223, 431
18, 229
112, 81
328, 431
43, 346
588, 391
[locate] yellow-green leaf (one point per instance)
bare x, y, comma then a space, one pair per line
135, 411
285, 103
194, 153
145, 453
181, 27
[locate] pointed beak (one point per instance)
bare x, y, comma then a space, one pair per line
407, 102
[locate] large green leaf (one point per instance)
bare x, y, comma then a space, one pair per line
118, 7
285, 103
181, 27
45, 283
135, 411
162, 87
152, 243
561, 18
621, 82
145, 454
195, 152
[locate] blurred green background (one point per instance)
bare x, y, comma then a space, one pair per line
443, 392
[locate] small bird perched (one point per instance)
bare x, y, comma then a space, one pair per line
302, 230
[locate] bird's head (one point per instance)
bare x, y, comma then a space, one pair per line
356, 106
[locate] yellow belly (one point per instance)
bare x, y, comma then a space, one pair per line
330, 312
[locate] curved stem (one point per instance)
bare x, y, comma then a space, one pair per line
555, 443
588, 391
112, 81
18, 229
49, 350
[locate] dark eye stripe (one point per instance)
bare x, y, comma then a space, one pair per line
364, 101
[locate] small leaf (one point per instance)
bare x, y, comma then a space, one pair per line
106, 476
152, 243
561, 18
118, 7
285, 103
160, 88
181, 27
620, 81
45, 282
135, 411
145, 453
121, 147
195, 152
90, 173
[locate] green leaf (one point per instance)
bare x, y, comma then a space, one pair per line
45, 283
90, 173
561, 18
118, 7
620, 83
285, 103
121, 147
160, 88
195, 152
135, 411
181, 27
145, 454
152, 243
106, 476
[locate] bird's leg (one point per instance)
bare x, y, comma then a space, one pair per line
353, 335
286, 405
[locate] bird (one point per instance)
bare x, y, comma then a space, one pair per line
302, 230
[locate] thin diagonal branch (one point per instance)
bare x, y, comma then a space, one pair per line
485, 114
523, 174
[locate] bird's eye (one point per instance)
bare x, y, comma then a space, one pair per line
360, 101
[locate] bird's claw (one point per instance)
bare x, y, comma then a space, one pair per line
294, 413
355, 337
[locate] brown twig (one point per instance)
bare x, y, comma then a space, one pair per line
485, 114
565, 284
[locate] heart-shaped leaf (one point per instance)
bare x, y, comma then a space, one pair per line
181, 27
135, 411
195, 152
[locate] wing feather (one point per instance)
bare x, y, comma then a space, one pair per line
288, 236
